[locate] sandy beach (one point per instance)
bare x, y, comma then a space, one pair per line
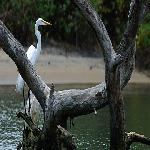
59, 69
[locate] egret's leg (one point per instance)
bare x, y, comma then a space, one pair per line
29, 101
24, 100
24, 104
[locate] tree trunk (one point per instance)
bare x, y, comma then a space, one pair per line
58, 106
117, 117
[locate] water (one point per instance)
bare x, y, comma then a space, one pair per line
91, 132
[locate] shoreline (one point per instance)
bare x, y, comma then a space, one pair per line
59, 69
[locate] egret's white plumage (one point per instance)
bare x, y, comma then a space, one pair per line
33, 55
32, 51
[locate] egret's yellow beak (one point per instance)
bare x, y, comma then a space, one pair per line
46, 23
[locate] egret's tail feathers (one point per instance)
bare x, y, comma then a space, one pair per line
19, 84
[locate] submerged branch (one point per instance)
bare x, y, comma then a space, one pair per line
135, 137
36, 131
19, 146
66, 138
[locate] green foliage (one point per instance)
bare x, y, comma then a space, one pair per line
143, 44
114, 13
68, 23
144, 36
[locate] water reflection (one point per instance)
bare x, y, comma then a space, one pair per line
10, 126
91, 132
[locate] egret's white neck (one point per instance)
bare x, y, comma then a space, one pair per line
38, 35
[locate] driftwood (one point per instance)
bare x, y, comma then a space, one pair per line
58, 106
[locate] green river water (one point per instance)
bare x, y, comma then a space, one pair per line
91, 132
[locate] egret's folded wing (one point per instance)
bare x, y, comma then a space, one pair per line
31, 56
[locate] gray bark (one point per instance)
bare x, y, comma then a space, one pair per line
118, 65
58, 106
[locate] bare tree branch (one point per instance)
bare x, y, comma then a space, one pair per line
145, 9
131, 29
28, 120
85, 99
80, 98
127, 48
16, 52
19, 146
128, 66
94, 19
66, 138
135, 137
74, 102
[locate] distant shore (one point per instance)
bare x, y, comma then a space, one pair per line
59, 69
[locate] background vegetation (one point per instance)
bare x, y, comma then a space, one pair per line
143, 45
68, 24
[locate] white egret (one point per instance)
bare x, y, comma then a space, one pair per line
32, 106
32, 53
